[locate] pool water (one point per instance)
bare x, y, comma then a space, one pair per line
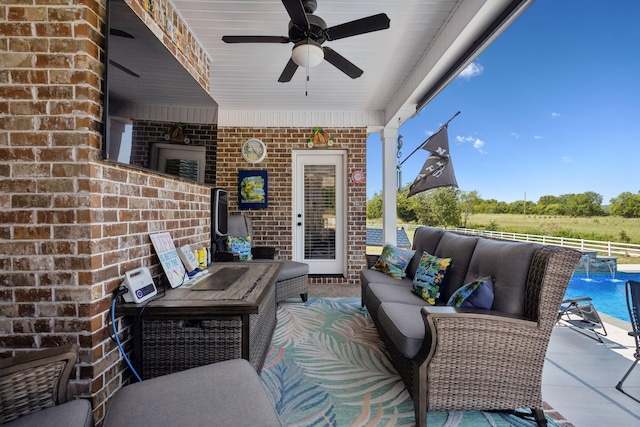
607, 292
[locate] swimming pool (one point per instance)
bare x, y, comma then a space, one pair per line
607, 293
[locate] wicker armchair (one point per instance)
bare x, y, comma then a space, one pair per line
487, 360
459, 359
33, 390
240, 226
293, 279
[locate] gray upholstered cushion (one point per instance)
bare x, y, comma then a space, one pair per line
508, 263
424, 239
460, 248
291, 269
70, 414
237, 226
404, 325
221, 394
372, 276
377, 293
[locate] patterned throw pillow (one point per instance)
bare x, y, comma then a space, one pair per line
240, 245
429, 276
393, 261
476, 294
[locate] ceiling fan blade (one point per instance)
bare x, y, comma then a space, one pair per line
296, 13
341, 63
288, 72
360, 26
255, 39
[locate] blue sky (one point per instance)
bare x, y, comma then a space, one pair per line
551, 107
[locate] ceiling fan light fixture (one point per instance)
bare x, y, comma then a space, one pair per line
307, 54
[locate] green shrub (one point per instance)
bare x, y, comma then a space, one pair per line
492, 226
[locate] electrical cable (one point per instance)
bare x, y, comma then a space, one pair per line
115, 332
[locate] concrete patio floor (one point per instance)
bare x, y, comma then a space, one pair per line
580, 374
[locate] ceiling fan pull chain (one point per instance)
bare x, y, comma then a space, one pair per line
306, 84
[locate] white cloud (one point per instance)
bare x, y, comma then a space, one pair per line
462, 139
566, 159
471, 70
555, 115
537, 137
478, 144
515, 135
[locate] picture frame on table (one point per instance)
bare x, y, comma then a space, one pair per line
253, 189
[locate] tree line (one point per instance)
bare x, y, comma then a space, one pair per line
448, 206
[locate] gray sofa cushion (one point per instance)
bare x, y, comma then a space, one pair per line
69, 414
424, 239
372, 276
289, 269
508, 263
460, 248
227, 393
377, 293
403, 324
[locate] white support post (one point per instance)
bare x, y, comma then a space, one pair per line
389, 185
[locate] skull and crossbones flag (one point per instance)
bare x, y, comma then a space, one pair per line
437, 171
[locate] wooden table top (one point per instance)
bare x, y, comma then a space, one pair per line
244, 295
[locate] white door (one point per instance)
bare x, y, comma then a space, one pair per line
319, 210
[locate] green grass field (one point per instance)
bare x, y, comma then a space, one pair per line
611, 228
608, 228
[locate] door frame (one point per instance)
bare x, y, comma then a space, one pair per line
297, 241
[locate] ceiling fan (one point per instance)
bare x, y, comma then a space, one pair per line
308, 32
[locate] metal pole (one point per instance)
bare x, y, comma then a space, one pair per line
427, 140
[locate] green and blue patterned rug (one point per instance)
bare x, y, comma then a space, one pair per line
328, 367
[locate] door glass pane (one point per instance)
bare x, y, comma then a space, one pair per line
319, 212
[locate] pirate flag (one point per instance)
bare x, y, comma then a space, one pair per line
437, 171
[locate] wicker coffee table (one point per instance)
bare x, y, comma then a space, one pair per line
191, 327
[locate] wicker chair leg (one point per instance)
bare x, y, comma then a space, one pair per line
538, 415
420, 394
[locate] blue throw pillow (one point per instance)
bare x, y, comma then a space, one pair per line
476, 294
241, 246
430, 276
393, 261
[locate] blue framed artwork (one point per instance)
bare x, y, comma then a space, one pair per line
252, 189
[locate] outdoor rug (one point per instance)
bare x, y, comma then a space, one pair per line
328, 367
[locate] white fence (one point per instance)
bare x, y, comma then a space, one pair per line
603, 248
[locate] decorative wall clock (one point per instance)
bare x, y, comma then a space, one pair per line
254, 150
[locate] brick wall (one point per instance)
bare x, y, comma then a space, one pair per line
70, 224
272, 226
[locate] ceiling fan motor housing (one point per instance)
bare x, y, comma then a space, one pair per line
315, 32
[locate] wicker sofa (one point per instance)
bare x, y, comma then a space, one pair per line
466, 358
